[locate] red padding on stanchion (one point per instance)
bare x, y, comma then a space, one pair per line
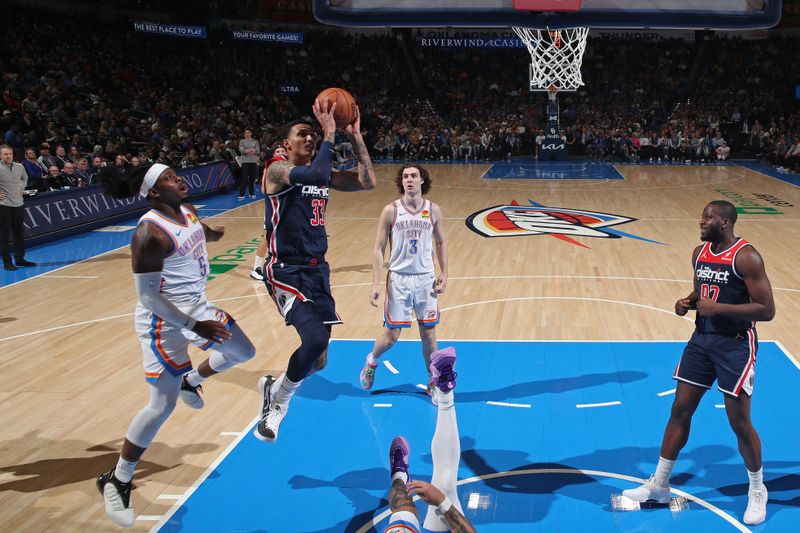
548, 5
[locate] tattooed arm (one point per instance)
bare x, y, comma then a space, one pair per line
431, 495
365, 179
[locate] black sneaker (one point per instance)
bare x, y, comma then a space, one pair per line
191, 395
9, 266
24, 263
117, 496
262, 430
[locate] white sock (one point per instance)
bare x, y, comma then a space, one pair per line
284, 389
446, 454
444, 400
194, 378
257, 262
402, 476
663, 471
756, 479
371, 361
124, 470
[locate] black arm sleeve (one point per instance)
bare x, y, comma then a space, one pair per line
319, 173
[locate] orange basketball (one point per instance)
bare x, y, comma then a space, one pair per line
345, 112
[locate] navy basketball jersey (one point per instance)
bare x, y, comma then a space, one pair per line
718, 280
295, 223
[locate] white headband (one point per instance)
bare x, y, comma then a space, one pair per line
150, 179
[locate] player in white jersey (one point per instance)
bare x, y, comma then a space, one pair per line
414, 227
170, 265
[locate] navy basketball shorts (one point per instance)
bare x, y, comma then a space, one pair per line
301, 292
730, 360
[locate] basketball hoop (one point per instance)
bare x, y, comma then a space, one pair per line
556, 57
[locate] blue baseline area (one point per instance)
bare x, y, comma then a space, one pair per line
70, 250
549, 467
531, 169
773, 172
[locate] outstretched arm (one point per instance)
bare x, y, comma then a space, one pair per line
365, 179
283, 173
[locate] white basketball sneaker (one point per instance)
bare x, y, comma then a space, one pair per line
649, 492
272, 413
191, 395
117, 497
272, 422
756, 511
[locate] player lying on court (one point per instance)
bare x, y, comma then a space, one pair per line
296, 273
414, 228
170, 268
731, 292
444, 510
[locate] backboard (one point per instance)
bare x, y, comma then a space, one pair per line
694, 14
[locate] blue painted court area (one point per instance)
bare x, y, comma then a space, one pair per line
70, 250
773, 172
531, 169
545, 458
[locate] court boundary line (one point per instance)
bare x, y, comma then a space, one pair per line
776, 178
199, 481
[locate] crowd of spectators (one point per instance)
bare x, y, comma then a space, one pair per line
106, 95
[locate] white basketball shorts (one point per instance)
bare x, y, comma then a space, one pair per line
165, 345
407, 293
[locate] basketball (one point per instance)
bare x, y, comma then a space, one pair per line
345, 112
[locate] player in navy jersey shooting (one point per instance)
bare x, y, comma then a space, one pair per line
295, 272
731, 292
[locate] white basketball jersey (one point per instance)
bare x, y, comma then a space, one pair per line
412, 239
184, 276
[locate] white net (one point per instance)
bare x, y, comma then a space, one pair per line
556, 57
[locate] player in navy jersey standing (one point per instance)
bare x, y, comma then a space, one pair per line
731, 292
295, 272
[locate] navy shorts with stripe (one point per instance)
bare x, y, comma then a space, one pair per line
302, 292
728, 360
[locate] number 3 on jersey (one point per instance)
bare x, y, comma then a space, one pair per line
709, 292
319, 212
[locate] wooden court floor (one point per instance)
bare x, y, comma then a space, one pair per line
69, 393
